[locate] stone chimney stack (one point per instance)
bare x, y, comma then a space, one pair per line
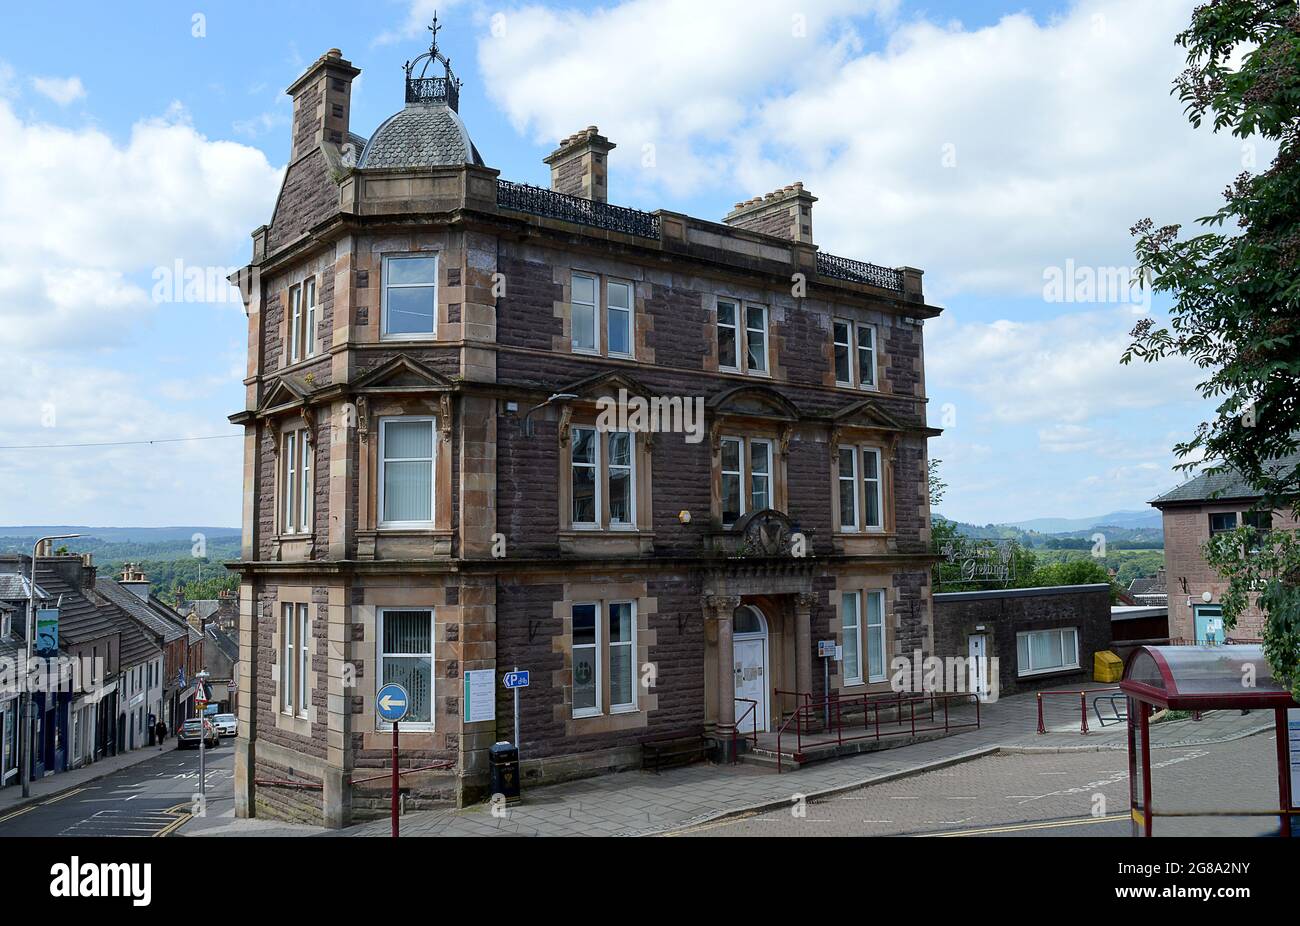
135, 580
322, 102
784, 213
579, 166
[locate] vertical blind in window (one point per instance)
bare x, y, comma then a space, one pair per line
408, 659
622, 657
586, 678
408, 470
852, 636
583, 322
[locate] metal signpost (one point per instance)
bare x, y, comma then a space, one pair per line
513, 682
391, 704
201, 702
828, 651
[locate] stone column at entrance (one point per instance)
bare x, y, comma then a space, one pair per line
803, 605
719, 610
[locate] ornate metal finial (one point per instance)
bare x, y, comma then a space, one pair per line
424, 89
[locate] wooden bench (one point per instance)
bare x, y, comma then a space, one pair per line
673, 750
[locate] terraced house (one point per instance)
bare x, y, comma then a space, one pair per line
434, 486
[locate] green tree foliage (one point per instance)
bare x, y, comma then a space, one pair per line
1236, 294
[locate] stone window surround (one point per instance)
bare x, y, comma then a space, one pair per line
862, 584
300, 432
296, 280
368, 514
860, 439
603, 279
642, 449
647, 700
298, 725
777, 435
304, 423
854, 324
431, 726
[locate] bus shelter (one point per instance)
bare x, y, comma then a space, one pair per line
1206, 678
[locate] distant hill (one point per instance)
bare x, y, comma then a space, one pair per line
1133, 520
119, 534
1132, 535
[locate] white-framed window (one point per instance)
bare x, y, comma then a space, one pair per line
602, 473
618, 308
728, 340
854, 348
407, 475
295, 324
746, 477
622, 656
410, 296
304, 659
290, 666
604, 653
755, 338
296, 482
309, 317
405, 651
851, 618
848, 485
586, 659
875, 635
585, 476
871, 489
1039, 651
583, 323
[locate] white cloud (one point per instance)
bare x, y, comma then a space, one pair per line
62, 90
1063, 370
84, 213
419, 14
1062, 133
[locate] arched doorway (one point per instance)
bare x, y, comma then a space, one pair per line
749, 643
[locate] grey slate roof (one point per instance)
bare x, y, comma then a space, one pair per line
1229, 484
1151, 585
421, 135
136, 646
14, 586
224, 643
142, 611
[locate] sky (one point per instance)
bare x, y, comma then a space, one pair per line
1004, 148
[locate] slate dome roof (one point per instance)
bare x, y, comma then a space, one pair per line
424, 134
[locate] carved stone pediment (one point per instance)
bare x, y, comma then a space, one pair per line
867, 414
753, 401
402, 374
285, 393
606, 384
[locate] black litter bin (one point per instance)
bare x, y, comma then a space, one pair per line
503, 759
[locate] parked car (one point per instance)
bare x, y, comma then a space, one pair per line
226, 724
189, 734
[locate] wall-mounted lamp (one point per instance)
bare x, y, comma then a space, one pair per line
528, 415
1206, 597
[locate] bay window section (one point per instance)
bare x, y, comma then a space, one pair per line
728, 343
406, 471
295, 482
584, 313
410, 297
406, 658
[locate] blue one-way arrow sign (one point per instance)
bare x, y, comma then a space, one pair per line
392, 702
517, 679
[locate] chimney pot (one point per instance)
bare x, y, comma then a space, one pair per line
579, 166
785, 212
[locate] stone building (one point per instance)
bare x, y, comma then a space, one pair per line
1194, 512
436, 484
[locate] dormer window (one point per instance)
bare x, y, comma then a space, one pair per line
410, 296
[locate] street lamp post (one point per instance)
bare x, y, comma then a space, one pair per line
27, 727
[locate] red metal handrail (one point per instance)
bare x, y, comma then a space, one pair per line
871, 707
1083, 704
440, 764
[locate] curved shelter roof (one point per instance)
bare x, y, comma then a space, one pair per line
1200, 678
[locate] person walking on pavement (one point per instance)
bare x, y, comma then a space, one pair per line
160, 731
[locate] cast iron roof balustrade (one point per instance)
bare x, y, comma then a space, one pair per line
856, 271
523, 197
433, 90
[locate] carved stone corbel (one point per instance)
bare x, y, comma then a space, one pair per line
835, 444
786, 433
363, 418
566, 416
444, 417
715, 437
309, 422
